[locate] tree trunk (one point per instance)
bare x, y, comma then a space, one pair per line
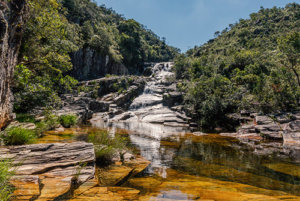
297, 76
13, 15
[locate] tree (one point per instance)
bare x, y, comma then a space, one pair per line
289, 46
44, 56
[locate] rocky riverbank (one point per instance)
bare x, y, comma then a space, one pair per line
279, 133
48, 171
67, 171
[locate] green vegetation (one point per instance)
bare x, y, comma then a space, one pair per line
68, 120
18, 136
6, 190
23, 117
57, 29
106, 146
41, 75
252, 65
50, 122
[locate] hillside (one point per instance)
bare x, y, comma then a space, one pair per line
252, 65
70, 40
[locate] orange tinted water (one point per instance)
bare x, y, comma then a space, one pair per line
208, 167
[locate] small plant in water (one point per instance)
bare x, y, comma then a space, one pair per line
106, 146
50, 122
75, 179
18, 136
68, 120
6, 189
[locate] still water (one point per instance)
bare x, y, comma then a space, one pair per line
185, 166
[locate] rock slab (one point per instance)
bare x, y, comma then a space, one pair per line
52, 169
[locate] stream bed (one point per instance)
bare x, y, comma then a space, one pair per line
186, 166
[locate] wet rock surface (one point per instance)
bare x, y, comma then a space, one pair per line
48, 171
271, 134
107, 185
154, 105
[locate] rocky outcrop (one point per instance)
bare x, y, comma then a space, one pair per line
48, 171
89, 64
267, 134
13, 15
156, 104
101, 95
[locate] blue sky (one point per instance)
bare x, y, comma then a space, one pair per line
186, 23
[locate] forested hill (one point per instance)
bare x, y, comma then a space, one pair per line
126, 41
67, 39
252, 65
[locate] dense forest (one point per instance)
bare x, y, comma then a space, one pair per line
56, 29
253, 65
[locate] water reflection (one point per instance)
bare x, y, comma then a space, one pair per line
211, 156
189, 167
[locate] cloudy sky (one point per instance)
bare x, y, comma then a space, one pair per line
186, 23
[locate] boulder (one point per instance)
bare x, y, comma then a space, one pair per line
172, 98
98, 106
261, 120
291, 133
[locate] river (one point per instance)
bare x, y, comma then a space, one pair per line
186, 166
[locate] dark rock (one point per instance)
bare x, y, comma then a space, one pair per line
285, 118
272, 135
98, 106
89, 64
245, 113
172, 98
124, 100
268, 127
147, 71
13, 16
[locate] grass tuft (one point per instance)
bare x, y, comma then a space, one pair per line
68, 120
106, 146
6, 189
18, 136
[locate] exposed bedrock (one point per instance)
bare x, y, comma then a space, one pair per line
13, 15
48, 171
89, 64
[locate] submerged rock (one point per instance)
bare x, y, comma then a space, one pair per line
119, 173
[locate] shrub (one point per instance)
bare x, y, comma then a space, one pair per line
68, 120
49, 123
6, 190
106, 146
18, 136
23, 117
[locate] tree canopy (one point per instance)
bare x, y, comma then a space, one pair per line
57, 28
251, 65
